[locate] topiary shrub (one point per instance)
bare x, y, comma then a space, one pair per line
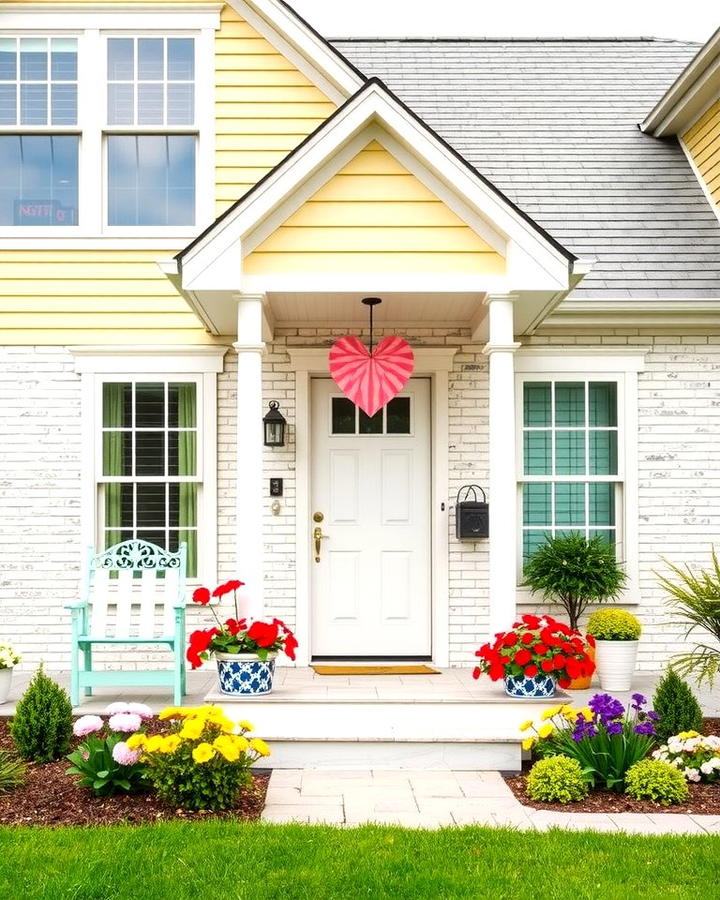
677, 707
12, 772
42, 725
653, 779
614, 625
573, 571
557, 779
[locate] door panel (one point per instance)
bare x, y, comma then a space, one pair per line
371, 482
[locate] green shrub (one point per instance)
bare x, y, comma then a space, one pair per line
573, 571
12, 772
677, 707
653, 779
42, 725
557, 779
614, 625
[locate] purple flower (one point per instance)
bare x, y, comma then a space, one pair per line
614, 728
640, 701
653, 716
583, 729
644, 728
606, 707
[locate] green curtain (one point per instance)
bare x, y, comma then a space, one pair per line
187, 465
113, 403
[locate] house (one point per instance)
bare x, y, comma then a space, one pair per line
195, 198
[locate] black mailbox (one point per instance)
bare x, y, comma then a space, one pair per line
472, 517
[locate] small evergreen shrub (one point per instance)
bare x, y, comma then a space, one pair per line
614, 625
557, 779
656, 780
12, 772
42, 725
677, 707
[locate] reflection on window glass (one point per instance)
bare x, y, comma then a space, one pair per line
39, 184
38, 81
151, 179
398, 416
368, 425
343, 416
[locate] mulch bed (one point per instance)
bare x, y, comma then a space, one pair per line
50, 797
704, 798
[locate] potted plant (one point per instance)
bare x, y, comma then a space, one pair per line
535, 655
616, 634
244, 650
574, 571
8, 659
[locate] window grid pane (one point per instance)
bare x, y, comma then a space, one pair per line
149, 432
570, 434
39, 184
38, 81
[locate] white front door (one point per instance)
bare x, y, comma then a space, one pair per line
371, 485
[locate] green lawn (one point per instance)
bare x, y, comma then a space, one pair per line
228, 861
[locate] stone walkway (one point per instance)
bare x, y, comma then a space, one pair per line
435, 799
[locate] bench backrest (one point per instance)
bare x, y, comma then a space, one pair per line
133, 589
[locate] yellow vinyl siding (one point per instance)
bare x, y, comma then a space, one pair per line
84, 296
374, 215
264, 108
703, 145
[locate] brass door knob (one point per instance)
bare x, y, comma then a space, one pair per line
318, 538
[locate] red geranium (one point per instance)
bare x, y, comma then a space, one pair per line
237, 635
535, 645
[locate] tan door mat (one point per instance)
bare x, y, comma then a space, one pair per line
375, 670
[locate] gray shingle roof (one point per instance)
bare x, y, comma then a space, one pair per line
554, 124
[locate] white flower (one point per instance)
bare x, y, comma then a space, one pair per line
8, 657
715, 762
692, 774
674, 745
140, 709
118, 707
706, 768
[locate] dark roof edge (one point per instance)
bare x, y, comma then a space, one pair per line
571, 257
516, 40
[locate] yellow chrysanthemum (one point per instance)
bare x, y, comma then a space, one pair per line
242, 743
546, 730
171, 712
171, 743
246, 726
549, 713
259, 746
526, 724
203, 753
136, 741
586, 713
528, 743
154, 743
227, 748
192, 729
688, 734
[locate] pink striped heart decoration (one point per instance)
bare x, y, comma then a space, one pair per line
370, 381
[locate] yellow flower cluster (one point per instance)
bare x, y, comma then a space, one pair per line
195, 720
564, 711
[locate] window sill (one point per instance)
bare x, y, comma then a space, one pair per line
135, 239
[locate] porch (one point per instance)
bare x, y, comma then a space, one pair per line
441, 722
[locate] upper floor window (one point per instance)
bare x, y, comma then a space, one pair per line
38, 81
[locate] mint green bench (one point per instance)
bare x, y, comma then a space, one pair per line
134, 593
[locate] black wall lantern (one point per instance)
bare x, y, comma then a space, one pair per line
472, 516
274, 424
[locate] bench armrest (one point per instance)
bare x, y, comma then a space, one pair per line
77, 604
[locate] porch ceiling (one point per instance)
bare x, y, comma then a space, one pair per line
398, 309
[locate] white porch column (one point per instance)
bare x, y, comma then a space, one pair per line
500, 349
249, 471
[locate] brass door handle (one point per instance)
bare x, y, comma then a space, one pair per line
318, 537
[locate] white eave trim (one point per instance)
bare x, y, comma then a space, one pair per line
81, 16
306, 49
562, 360
689, 95
628, 311
427, 359
128, 359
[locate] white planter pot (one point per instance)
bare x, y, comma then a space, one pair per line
615, 661
5, 682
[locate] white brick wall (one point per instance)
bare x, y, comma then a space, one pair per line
40, 476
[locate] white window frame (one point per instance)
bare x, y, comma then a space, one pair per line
198, 364
92, 30
619, 365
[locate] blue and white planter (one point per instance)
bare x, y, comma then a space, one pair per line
244, 674
537, 688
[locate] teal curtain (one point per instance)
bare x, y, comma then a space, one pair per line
113, 405
187, 465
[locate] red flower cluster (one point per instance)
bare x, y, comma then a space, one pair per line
536, 645
236, 635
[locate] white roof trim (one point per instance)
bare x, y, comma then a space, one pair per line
300, 44
689, 95
527, 246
